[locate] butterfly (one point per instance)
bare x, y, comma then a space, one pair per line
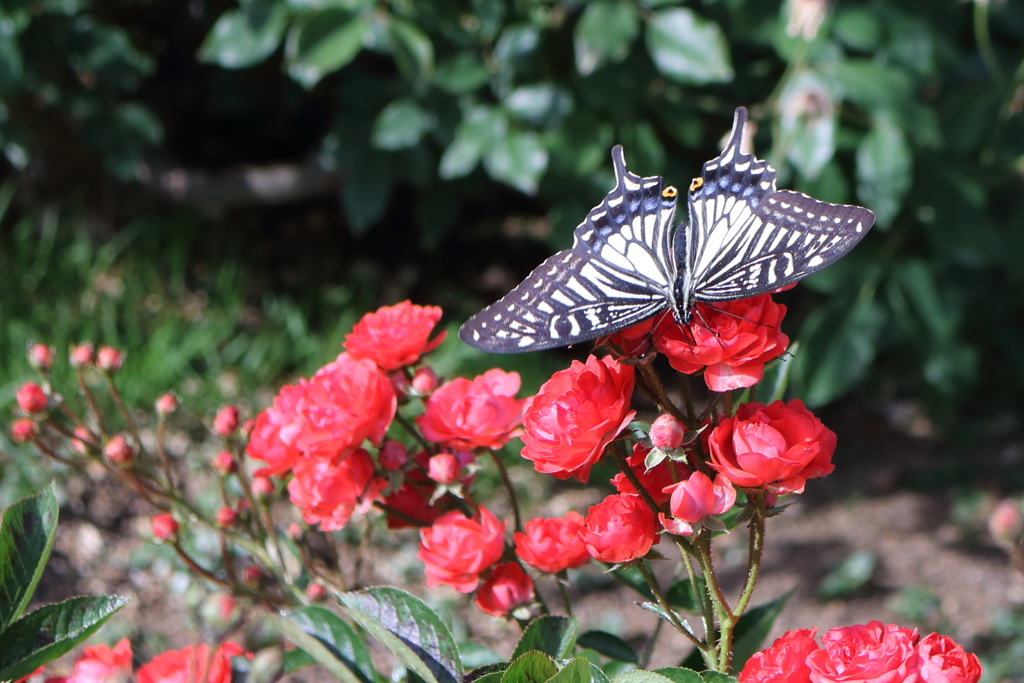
627, 264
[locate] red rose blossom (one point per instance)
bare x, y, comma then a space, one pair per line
101, 664
191, 665
328, 491
696, 498
552, 545
733, 340
465, 414
784, 662
31, 398
575, 415
394, 336
165, 526
776, 447
273, 438
869, 653
456, 549
392, 455
506, 588
619, 529
665, 473
943, 661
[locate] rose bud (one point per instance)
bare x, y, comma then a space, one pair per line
165, 527
1006, 524
31, 398
24, 430
119, 450
295, 532
165, 405
220, 611
392, 455
444, 468
667, 433
40, 357
82, 355
253, 576
316, 592
224, 463
226, 421
109, 359
507, 588
226, 517
424, 381
84, 438
262, 487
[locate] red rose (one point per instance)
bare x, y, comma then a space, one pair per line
576, 414
100, 664
24, 430
696, 498
394, 336
328, 491
31, 398
456, 549
733, 340
552, 545
619, 529
273, 438
874, 652
191, 665
943, 661
665, 473
506, 588
465, 414
635, 341
778, 447
413, 502
784, 662
164, 526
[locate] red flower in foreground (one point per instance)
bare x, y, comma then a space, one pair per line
655, 480
552, 545
394, 336
943, 661
328, 491
100, 664
575, 415
456, 549
191, 665
783, 662
875, 652
31, 398
465, 414
696, 498
506, 588
733, 341
619, 529
776, 447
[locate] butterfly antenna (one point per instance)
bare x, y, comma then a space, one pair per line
699, 319
734, 315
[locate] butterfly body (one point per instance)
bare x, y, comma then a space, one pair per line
743, 238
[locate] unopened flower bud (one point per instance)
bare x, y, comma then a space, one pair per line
226, 422
109, 359
31, 398
24, 430
85, 437
165, 405
424, 381
253, 576
1006, 524
82, 355
444, 468
220, 612
667, 432
267, 666
40, 357
295, 532
316, 592
119, 450
224, 463
262, 487
226, 517
392, 455
165, 527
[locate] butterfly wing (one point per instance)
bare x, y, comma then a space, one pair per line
617, 273
749, 238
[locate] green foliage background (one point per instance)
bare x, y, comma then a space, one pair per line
460, 137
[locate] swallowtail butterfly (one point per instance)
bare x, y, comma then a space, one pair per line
626, 263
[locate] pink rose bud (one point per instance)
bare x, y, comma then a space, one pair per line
109, 359
262, 487
392, 455
165, 527
316, 592
226, 517
119, 450
295, 532
24, 430
82, 355
424, 381
667, 432
40, 357
1006, 523
165, 405
225, 463
444, 468
31, 398
226, 422
84, 437
253, 576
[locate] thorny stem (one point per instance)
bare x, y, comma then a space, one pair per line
508, 486
165, 464
660, 597
684, 386
707, 612
755, 551
620, 460
427, 446
565, 596
91, 401
651, 379
73, 416
66, 433
727, 403
128, 419
50, 454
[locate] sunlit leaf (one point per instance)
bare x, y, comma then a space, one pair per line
848, 576
322, 43
554, 636
604, 33
234, 43
884, 168
518, 159
27, 530
688, 48
400, 124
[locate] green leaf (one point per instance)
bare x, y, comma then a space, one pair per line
10, 61
808, 123
323, 42
681, 595
884, 169
463, 74
859, 29
331, 642
597, 675
540, 103
365, 194
490, 673
554, 636
481, 128
772, 386
849, 335
519, 159
753, 627
27, 531
576, 671
409, 629
679, 675
611, 646
51, 631
848, 576
411, 48
638, 676
604, 34
531, 667
399, 125
716, 677
234, 43
688, 48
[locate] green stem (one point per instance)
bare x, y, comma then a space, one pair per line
653, 382
91, 401
652, 582
508, 486
128, 419
984, 38
707, 610
755, 552
392, 512
684, 387
427, 446
565, 597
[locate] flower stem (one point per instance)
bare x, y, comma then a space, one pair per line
650, 378
392, 512
984, 38
652, 582
508, 486
128, 419
427, 446
565, 597
91, 401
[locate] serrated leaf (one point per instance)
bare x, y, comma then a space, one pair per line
411, 48
576, 671
234, 43
51, 631
519, 159
324, 42
409, 629
489, 673
638, 676
884, 170
679, 675
753, 627
597, 675
609, 645
604, 34
716, 677
552, 635
399, 125
331, 642
688, 48
772, 386
27, 530
531, 667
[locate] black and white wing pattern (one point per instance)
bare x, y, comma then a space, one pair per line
618, 272
746, 238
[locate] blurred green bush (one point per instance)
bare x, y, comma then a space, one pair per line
426, 109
